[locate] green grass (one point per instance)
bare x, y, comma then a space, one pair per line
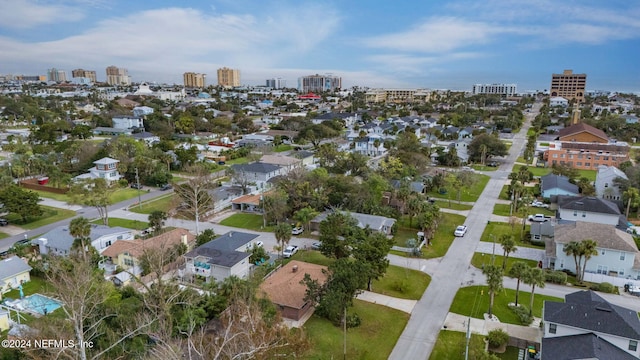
480, 259
589, 174
510, 354
402, 283
282, 147
373, 339
242, 160
163, 203
246, 221
34, 286
443, 237
521, 160
403, 234
544, 144
481, 167
454, 205
3, 235
49, 216
451, 345
498, 229
474, 301
118, 195
504, 193
125, 223
503, 210
312, 256
469, 194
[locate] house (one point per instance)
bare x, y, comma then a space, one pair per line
605, 185
128, 122
249, 202
618, 256
59, 240
306, 157
13, 272
287, 292
552, 184
372, 145
286, 163
106, 168
586, 326
541, 232
558, 101
257, 172
126, 254
374, 222
589, 209
414, 186
147, 137
140, 111
4, 320
227, 255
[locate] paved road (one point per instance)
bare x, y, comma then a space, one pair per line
420, 334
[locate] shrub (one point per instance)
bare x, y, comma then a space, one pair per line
401, 285
604, 287
556, 277
353, 320
497, 338
523, 314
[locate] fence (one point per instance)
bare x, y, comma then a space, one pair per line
33, 185
617, 281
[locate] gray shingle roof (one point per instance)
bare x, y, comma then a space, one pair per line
374, 222
12, 266
222, 250
605, 236
60, 238
586, 310
553, 181
583, 346
588, 203
255, 167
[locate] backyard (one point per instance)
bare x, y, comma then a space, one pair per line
481, 259
504, 210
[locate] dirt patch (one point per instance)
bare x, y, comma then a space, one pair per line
12, 230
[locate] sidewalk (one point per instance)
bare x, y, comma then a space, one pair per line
457, 322
388, 301
58, 204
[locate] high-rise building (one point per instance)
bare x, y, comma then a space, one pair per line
228, 77
568, 85
194, 80
118, 76
276, 83
504, 90
319, 83
81, 73
56, 75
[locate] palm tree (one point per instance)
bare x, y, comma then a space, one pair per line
282, 232
589, 249
80, 229
518, 271
509, 246
305, 215
534, 277
633, 198
494, 282
573, 249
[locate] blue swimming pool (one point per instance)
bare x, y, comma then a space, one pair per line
40, 304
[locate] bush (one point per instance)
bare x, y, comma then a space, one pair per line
556, 277
497, 338
353, 320
605, 287
401, 285
523, 314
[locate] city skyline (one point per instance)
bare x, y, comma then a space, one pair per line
403, 44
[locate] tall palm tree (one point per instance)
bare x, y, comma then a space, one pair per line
518, 271
589, 249
508, 246
573, 249
305, 215
80, 229
282, 232
633, 198
494, 282
534, 277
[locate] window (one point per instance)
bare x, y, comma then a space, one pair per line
587, 164
622, 256
555, 156
584, 214
579, 163
633, 345
536, 237
603, 252
553, 328
128, 262
108, 243
575, 212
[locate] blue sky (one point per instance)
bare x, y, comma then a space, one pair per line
400, 43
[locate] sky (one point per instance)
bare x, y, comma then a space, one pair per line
400, 44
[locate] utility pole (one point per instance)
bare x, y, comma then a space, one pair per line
493, 254
466, 351
138, 183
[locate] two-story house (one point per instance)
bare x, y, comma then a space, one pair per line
106, 168
286, 163
606, 186
590, 209
128, 122
586, 326
257, 172
222, 257
371, 145
59, 240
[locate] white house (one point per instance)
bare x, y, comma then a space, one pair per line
106, 168
257, 172
374, 222
558, 101
605, 186
127, 122
588, 209
586, 326
140, 111
371, 145
222, 257
59, 240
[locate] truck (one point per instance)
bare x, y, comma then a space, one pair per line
539, 218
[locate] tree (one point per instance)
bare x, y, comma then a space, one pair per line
518, 271
373, 251
588, 249
20, 201
204, 237
282, 233
484, 146
156, 220
305, 215
95, 193
586, 187
534, 277
274, 207
337, 233
494, 282
80, 229
573, 248
632, 195
508, 246
195, 197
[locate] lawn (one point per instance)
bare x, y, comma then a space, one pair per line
504, 193
312, 256
469, 194
402, 283
118, 195
589, 174
282, 147
163, 203
481, 167
503, 210
242, 160
474, 301
246, 221
498, 229
510, 354
3, 235
125, 223
49, 216
521, 160
373, 339
35, 286
443, 237
454, 205
480, 259
403, 234
451, 345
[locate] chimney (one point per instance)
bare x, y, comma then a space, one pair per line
294, 268
230, 233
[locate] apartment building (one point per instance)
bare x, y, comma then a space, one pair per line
397, 95
319, 83
228, 77
56, 75
568, 85
81, 73
504, 90
276, 83
194, 80
117, 76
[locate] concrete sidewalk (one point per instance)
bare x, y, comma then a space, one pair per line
388, 301
58, 204
457, 322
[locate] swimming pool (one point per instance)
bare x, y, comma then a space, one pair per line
40, 304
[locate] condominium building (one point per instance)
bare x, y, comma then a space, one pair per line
276, 83
81, 73
319, 83
56, 75
398, 95
568, 85
228, 77
504, 90
194, 80
118, 76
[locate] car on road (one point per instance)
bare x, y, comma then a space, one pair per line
297, 230
460, 230
493, 164
539, 204
4, 222
166, 187
136, 186
289, 251
539, 218
316, 245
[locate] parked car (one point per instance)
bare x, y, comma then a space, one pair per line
136, 186
166, 187
539, 218
493, 164
316, 245
460, 230
297, 230
289, 251
539, 204
4, 222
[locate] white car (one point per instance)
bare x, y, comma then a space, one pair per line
289, 251
460, 230
297, 230
539, 204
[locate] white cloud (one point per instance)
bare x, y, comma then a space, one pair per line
24, 14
